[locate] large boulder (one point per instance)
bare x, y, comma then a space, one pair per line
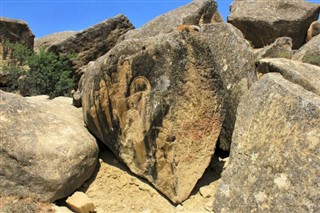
305, 75
45, 151
234, 60
14, 31
262, 22
310, 52
157, 103
274, 164
52, 39
195, 13
281, 48
93, 42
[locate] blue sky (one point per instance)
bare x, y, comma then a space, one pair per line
49, 16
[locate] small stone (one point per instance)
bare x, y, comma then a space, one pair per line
179, 208
205, 192
80, 203
208, 207
61, 209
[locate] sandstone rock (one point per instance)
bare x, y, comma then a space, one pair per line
157, 103
198, 11
262, 22
306, 75
61, 209
205, 191
93, 42
234, 60
45, 150
52, 39
313, 30
281, 48
274, 163
13, 31
80, 203
216, 18
310, 52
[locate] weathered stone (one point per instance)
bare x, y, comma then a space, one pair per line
306, 75
52, 39
45, 150
80, 203
281, 48
13, 31
262, 22
234, 60
198, 11
205, 191
93, 42
310, 52
157, 103
313, 30
274, 163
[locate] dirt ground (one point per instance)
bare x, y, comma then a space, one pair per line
113, 188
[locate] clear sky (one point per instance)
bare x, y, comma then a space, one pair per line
49, 16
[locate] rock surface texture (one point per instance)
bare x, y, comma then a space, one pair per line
262, 22
303, 74
14, 31
274, 163
313, 30
45, 150
310, 52
93, 42
198, 11
52, 39
234, 60
281, 48
157, 103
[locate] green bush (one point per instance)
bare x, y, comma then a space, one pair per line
19, 52
48, 74
12, 74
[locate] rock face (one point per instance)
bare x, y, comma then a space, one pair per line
198, 11
157, 103
262, 22
305, 75
14, 31
93, 42
234, 60
274, 163
45, 150
313, 30
52, 39
281, 48
310, 52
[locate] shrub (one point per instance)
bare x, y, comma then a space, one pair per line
18, 52
12, 74
48, 73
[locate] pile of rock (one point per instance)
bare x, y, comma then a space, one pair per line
164, 96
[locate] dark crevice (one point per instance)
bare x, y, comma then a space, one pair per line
213, 171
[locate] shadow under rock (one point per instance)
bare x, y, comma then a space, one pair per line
108, 157
213, 172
